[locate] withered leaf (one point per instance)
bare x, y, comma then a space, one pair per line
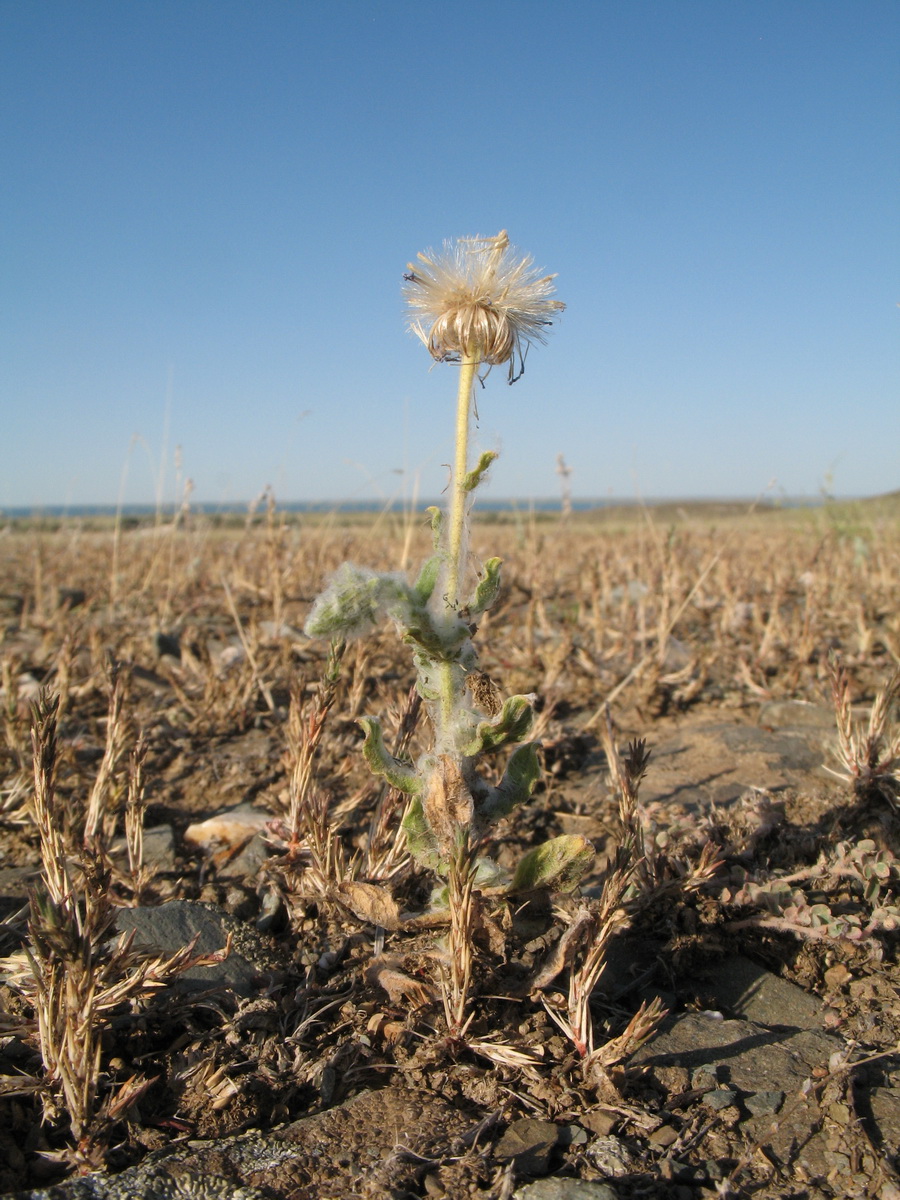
370, 903
448, 802
387, 972
564, 951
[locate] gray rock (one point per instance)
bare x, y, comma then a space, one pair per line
752, 993
246, 864
366, 1143
169, 927
796, 714
750, 1059
159, 848
530, 1142
762, 1104
720, 1098
611, 1156
565, 1189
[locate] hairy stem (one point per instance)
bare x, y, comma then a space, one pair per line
467, 369
456, 540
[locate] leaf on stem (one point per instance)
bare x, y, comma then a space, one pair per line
513, 725
472, 478
522, 772
558, 865
398, 774
488, 588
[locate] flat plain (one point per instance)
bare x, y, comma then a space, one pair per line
199, 771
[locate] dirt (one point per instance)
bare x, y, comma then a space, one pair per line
316, 1060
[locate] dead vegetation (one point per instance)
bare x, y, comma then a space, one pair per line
162, 676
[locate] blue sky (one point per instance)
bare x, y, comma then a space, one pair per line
206, 207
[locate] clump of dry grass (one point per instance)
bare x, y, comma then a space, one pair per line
868, 753
75, 972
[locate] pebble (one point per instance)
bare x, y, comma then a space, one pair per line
611, 1156
227, 830
761, 1104
565, 1189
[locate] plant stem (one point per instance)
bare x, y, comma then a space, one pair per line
467, 370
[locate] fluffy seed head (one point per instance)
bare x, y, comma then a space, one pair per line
480, 297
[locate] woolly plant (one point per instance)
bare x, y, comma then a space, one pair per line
478, 303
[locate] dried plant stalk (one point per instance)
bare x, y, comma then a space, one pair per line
869, 755
100, 816
306, 725
135, 808
457, 979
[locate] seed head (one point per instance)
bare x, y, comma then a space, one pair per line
480, 297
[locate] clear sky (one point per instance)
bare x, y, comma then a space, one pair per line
206, 207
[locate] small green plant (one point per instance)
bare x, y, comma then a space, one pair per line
479, 304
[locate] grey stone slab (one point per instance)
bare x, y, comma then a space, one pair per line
746, 990
169, 927
751, 1059
368, 1142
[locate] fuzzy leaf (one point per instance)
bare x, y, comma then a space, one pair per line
355, 599
472, 479
420, 841
437, 521
557, 865
488, 588
522, 772
398, 774
424, 585
512, 725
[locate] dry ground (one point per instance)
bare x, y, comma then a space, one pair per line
711, 633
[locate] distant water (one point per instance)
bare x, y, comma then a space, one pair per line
545, 505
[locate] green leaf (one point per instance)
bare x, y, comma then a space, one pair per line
488, 587
398, 774
424, 585
558, 865
512, 725
522, 772
437, 521
420, 841
475, 476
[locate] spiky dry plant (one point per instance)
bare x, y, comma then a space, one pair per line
74, 973
306, 726
14, 737
627, 774
140, 875
868, 754
385, 849
461, 901
102, 806
582, 950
